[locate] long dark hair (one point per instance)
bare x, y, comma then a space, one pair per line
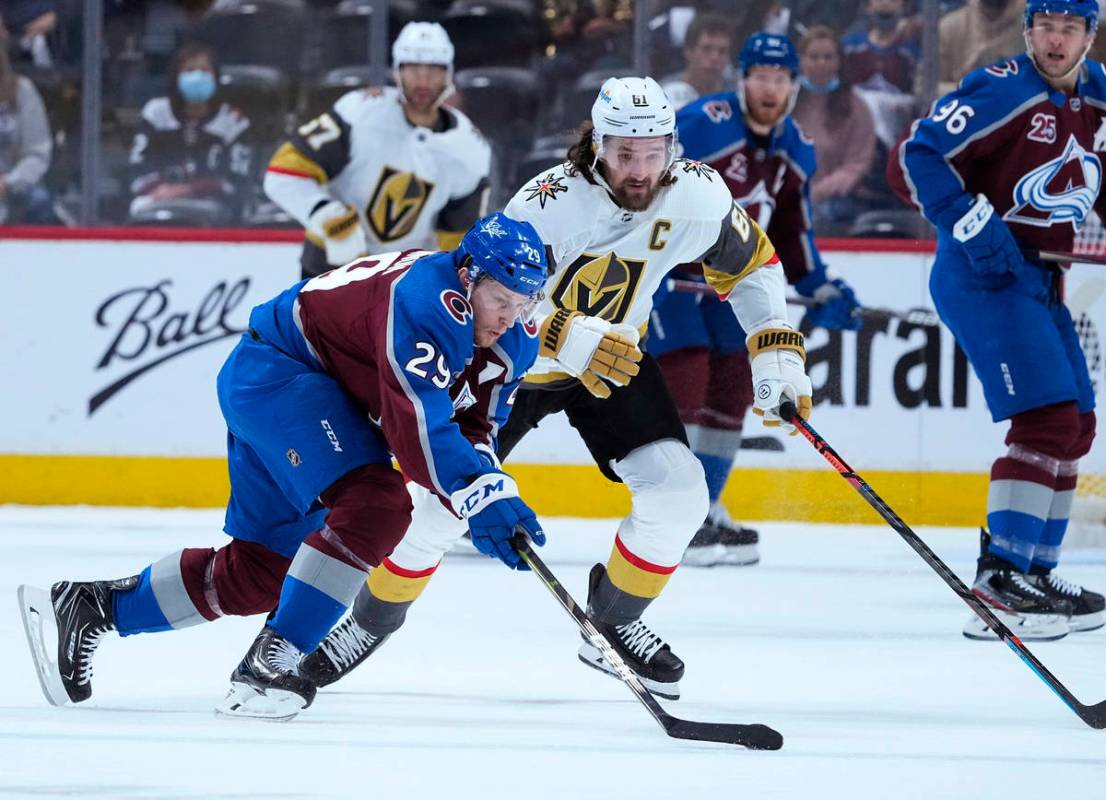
840, 100
188, 51
581, 155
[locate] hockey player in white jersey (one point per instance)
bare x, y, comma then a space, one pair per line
385, 169
616, 218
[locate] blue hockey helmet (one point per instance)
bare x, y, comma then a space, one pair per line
1087, 9
507, 251
770, 49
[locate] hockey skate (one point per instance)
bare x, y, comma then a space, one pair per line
1087, 607
1030, 613
720, 540
642, 650
340, 652
70, 621
267, 685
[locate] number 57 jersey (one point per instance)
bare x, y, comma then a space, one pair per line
1035, 152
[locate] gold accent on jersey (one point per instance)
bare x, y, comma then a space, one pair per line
290, 159
724, 282
449, 240
661, 226
396, 203
599, 285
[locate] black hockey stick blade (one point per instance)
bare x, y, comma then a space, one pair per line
1093, 715
753, 737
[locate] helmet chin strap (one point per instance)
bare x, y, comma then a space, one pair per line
1033, 58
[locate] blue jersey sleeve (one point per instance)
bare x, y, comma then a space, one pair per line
709, 124
966, 119
429, 341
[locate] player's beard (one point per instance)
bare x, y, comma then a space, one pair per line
639, 197
767, 117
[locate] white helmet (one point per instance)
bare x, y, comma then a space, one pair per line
632, 107
423, 43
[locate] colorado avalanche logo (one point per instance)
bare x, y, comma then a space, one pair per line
1061, 190
457, 306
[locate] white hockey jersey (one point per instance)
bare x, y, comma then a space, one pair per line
406, 182
608, 262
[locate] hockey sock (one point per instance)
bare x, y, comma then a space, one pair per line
321, 584
716, 449
1018, 503
629, 586
1047, 553
168, 595
382, 607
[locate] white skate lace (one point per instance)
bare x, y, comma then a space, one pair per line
284, 655
89, 643
347, 643
639, 640
1023, 583
1063, 586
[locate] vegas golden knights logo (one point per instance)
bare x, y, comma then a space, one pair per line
599, 285
396, 203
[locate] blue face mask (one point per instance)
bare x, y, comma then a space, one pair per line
196, 85
820, 88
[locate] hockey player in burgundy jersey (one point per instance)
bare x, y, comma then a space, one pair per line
410, 355
749, 137
1009, 160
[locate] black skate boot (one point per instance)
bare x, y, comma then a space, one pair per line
340, 652
721, 540
642, 650
1088, 609
267, 684
1031, 613
78, 614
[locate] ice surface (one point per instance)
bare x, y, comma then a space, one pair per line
842, 639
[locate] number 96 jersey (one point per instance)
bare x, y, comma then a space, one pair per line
406, 182
607, 261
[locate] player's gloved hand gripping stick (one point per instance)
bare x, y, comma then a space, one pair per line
1094, 715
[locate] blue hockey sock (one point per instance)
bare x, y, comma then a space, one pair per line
317, 590
137, 611
716, 449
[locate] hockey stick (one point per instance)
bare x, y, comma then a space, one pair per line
1062, 258
915, 316
1095, 715
754, 737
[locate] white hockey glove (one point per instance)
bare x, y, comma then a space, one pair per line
340, 229
591, 349
779, 373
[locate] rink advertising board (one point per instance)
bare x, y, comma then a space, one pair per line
113, 341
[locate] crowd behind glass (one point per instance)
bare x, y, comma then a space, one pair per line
235, 76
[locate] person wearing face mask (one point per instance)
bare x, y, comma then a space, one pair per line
1007, 164
885, 55
191, 145
839, 123
766, 164
978, 34
385, 168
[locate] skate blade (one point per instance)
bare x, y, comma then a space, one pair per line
591, 656
741, 555
705, 556
1029, 627
1087, 622
245, 702
40, 625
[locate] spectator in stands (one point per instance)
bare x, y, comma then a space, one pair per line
838, 15
24, 147
706, 59
884, 56
980, 33
839, 122
190, 151
669, 29
586, 36
29, 23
